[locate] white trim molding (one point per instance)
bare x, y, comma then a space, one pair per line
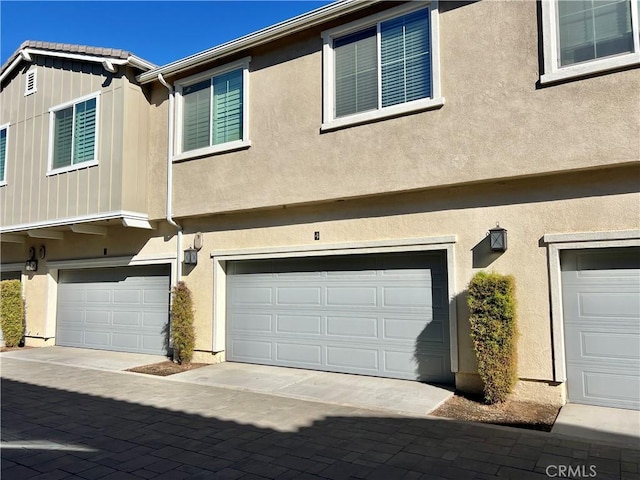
329, 121
556, 243
444, 243
244, 142
553, 72
59, 222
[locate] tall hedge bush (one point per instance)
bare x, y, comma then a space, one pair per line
182, 331
494, 333
11, 312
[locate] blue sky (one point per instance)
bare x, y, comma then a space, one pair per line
158, 31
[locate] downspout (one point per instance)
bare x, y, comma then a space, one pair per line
170, 179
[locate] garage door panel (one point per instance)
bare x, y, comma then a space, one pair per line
299, 324
353, 357
602, 326
122, 309
251, 351
296, 353
97, 317
370, 322
352, 327
298, 296
126, 319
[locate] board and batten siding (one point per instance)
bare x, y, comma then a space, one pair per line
32, 196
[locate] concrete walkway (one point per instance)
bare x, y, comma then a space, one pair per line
61, 421
397, 396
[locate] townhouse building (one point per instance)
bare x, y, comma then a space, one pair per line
328, 186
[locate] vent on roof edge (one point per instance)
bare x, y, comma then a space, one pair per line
30, 85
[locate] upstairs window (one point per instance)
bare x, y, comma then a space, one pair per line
381, 66
589, 36
4, 131
30, 82
73, 135
212, 111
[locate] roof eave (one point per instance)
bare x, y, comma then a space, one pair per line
26, 53
274, 32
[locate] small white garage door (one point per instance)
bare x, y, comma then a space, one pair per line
381, 315
121, 309
601, 309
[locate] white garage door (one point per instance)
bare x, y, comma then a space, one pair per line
381, 315
601, 303
120, 309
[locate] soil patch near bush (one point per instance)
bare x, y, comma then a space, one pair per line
11, 349
512, 413
164, 369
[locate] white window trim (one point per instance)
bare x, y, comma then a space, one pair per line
556, 243
552, 70
3, 181
329, 122
31, 72
243, 64
52, 120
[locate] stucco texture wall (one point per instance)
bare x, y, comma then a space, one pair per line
497, 123
527, 208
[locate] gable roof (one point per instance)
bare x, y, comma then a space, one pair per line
306, 20
108, 57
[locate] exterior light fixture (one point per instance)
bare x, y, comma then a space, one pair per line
31, 265
191, 256
498, 239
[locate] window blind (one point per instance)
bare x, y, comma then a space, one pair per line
84, 134
227, 107
405, 58
592, 29
3, 152
356, 87
196, 129
62, 138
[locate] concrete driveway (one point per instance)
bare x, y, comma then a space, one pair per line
397, 396
62, 421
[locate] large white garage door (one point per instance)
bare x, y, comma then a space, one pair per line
601, 303
122, 309
382, 315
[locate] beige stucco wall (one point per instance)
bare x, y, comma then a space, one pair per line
529, 208
496, 123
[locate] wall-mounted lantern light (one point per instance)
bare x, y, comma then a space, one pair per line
191, 256
498, 239
31, 265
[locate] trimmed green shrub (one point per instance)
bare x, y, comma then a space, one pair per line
182, 332
493, 331
11, 312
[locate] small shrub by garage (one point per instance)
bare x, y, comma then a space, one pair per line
182, 331
11, 312
494, 333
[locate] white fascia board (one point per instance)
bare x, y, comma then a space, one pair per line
107, 62
71, 220
279, 30
89, 229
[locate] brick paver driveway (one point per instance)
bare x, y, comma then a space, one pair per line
68, 422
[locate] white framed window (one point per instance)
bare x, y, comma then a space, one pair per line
30, 85
212, 111
381, 66
4, 148
583, 37
73, 134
